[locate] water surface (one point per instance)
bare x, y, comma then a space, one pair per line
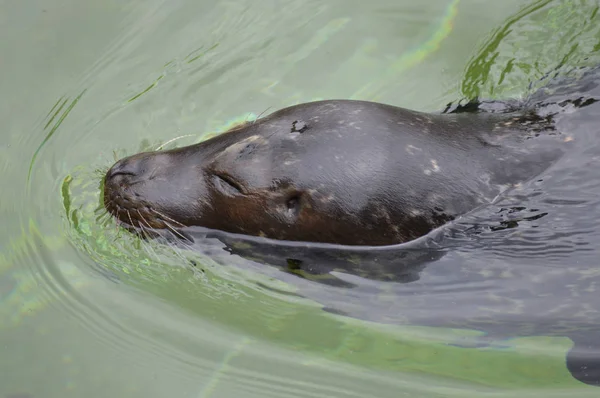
87, 310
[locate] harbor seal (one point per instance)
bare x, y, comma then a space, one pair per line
337, 171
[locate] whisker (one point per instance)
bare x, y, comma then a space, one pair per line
175, 248
246, 120
103, 217
146, 244
139, 226
262, 113
103, 221
143, 219
117, 230
130, 219
174, 139
172, 229
144, 231
117, 225
109, 216
164, 217
102, 212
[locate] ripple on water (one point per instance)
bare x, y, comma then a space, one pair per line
495, 258
504, 273
550, 220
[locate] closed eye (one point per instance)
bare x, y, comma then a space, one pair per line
227, 185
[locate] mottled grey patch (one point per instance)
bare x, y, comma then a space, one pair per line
434, 167
411, 149
289, 162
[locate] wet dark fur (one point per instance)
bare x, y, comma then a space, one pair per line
344, 172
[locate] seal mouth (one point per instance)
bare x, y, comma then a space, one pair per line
140, 218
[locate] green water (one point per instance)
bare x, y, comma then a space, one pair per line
89, 311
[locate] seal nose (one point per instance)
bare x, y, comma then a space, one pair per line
126, 166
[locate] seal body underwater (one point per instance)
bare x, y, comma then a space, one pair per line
338, 171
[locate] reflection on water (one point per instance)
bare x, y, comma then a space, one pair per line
84, 302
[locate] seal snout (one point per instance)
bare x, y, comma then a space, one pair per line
126, 167
120, 197
127, 172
